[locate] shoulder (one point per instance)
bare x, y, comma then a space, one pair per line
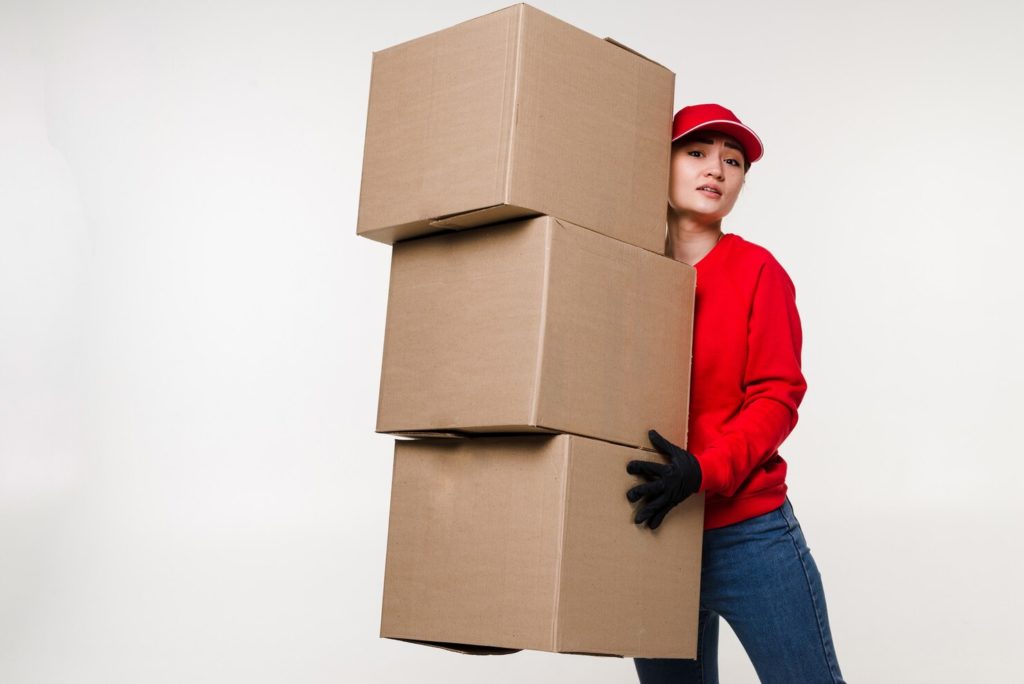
751, 252
756, 259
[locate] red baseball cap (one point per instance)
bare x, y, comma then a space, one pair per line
715, 117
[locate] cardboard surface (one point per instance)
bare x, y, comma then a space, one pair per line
527, 542
536, 325
511, 114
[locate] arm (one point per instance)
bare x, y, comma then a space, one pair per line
774, 386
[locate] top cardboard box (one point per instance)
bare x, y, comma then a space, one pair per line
514, 114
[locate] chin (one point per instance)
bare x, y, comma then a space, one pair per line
715, 215
701, 211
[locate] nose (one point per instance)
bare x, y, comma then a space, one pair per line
715, 167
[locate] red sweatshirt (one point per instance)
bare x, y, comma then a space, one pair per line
746, 382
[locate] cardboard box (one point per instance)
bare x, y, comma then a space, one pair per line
527, 542
515, 114
536, 326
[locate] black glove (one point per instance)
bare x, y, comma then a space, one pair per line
667, 485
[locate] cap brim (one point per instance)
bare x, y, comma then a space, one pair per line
752, 147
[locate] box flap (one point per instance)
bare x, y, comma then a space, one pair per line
474, 431
496, 213
468, 649
626, 47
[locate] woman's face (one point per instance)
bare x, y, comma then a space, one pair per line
706, 175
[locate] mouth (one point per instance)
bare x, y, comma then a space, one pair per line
710, 190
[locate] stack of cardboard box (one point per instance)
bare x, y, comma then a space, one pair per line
519, 166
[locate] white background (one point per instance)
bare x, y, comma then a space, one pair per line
190, 331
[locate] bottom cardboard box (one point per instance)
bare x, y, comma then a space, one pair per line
503, 543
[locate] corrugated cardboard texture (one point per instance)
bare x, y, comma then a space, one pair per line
473, 541
592, 136
464, 322
516, 108
528, 542
617, 339
536, 325
439, 123
656, 589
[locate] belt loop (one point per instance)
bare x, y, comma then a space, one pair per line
787, 512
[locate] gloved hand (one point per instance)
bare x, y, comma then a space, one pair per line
667, 485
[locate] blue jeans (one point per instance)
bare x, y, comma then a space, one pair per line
759, 575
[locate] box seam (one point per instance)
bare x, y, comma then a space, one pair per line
564, 512
689, 370
384, 355
384, 589
514, 118
366, 129
541, 333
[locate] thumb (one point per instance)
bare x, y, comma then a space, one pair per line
660, 443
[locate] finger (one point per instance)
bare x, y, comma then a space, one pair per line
634, 494
643, 514
658, 517
660, 443
658, 502
645, 491
646, 469
646, 513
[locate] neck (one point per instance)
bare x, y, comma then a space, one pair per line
689, 238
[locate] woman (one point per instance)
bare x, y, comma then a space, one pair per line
757, 571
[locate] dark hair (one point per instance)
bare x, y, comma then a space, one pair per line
686, 138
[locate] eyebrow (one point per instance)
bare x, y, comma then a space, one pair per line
709, 141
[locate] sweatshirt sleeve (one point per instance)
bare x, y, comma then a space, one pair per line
773, 388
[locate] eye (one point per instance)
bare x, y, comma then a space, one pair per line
734, 162
697, 153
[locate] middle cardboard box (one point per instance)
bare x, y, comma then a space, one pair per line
537, 325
